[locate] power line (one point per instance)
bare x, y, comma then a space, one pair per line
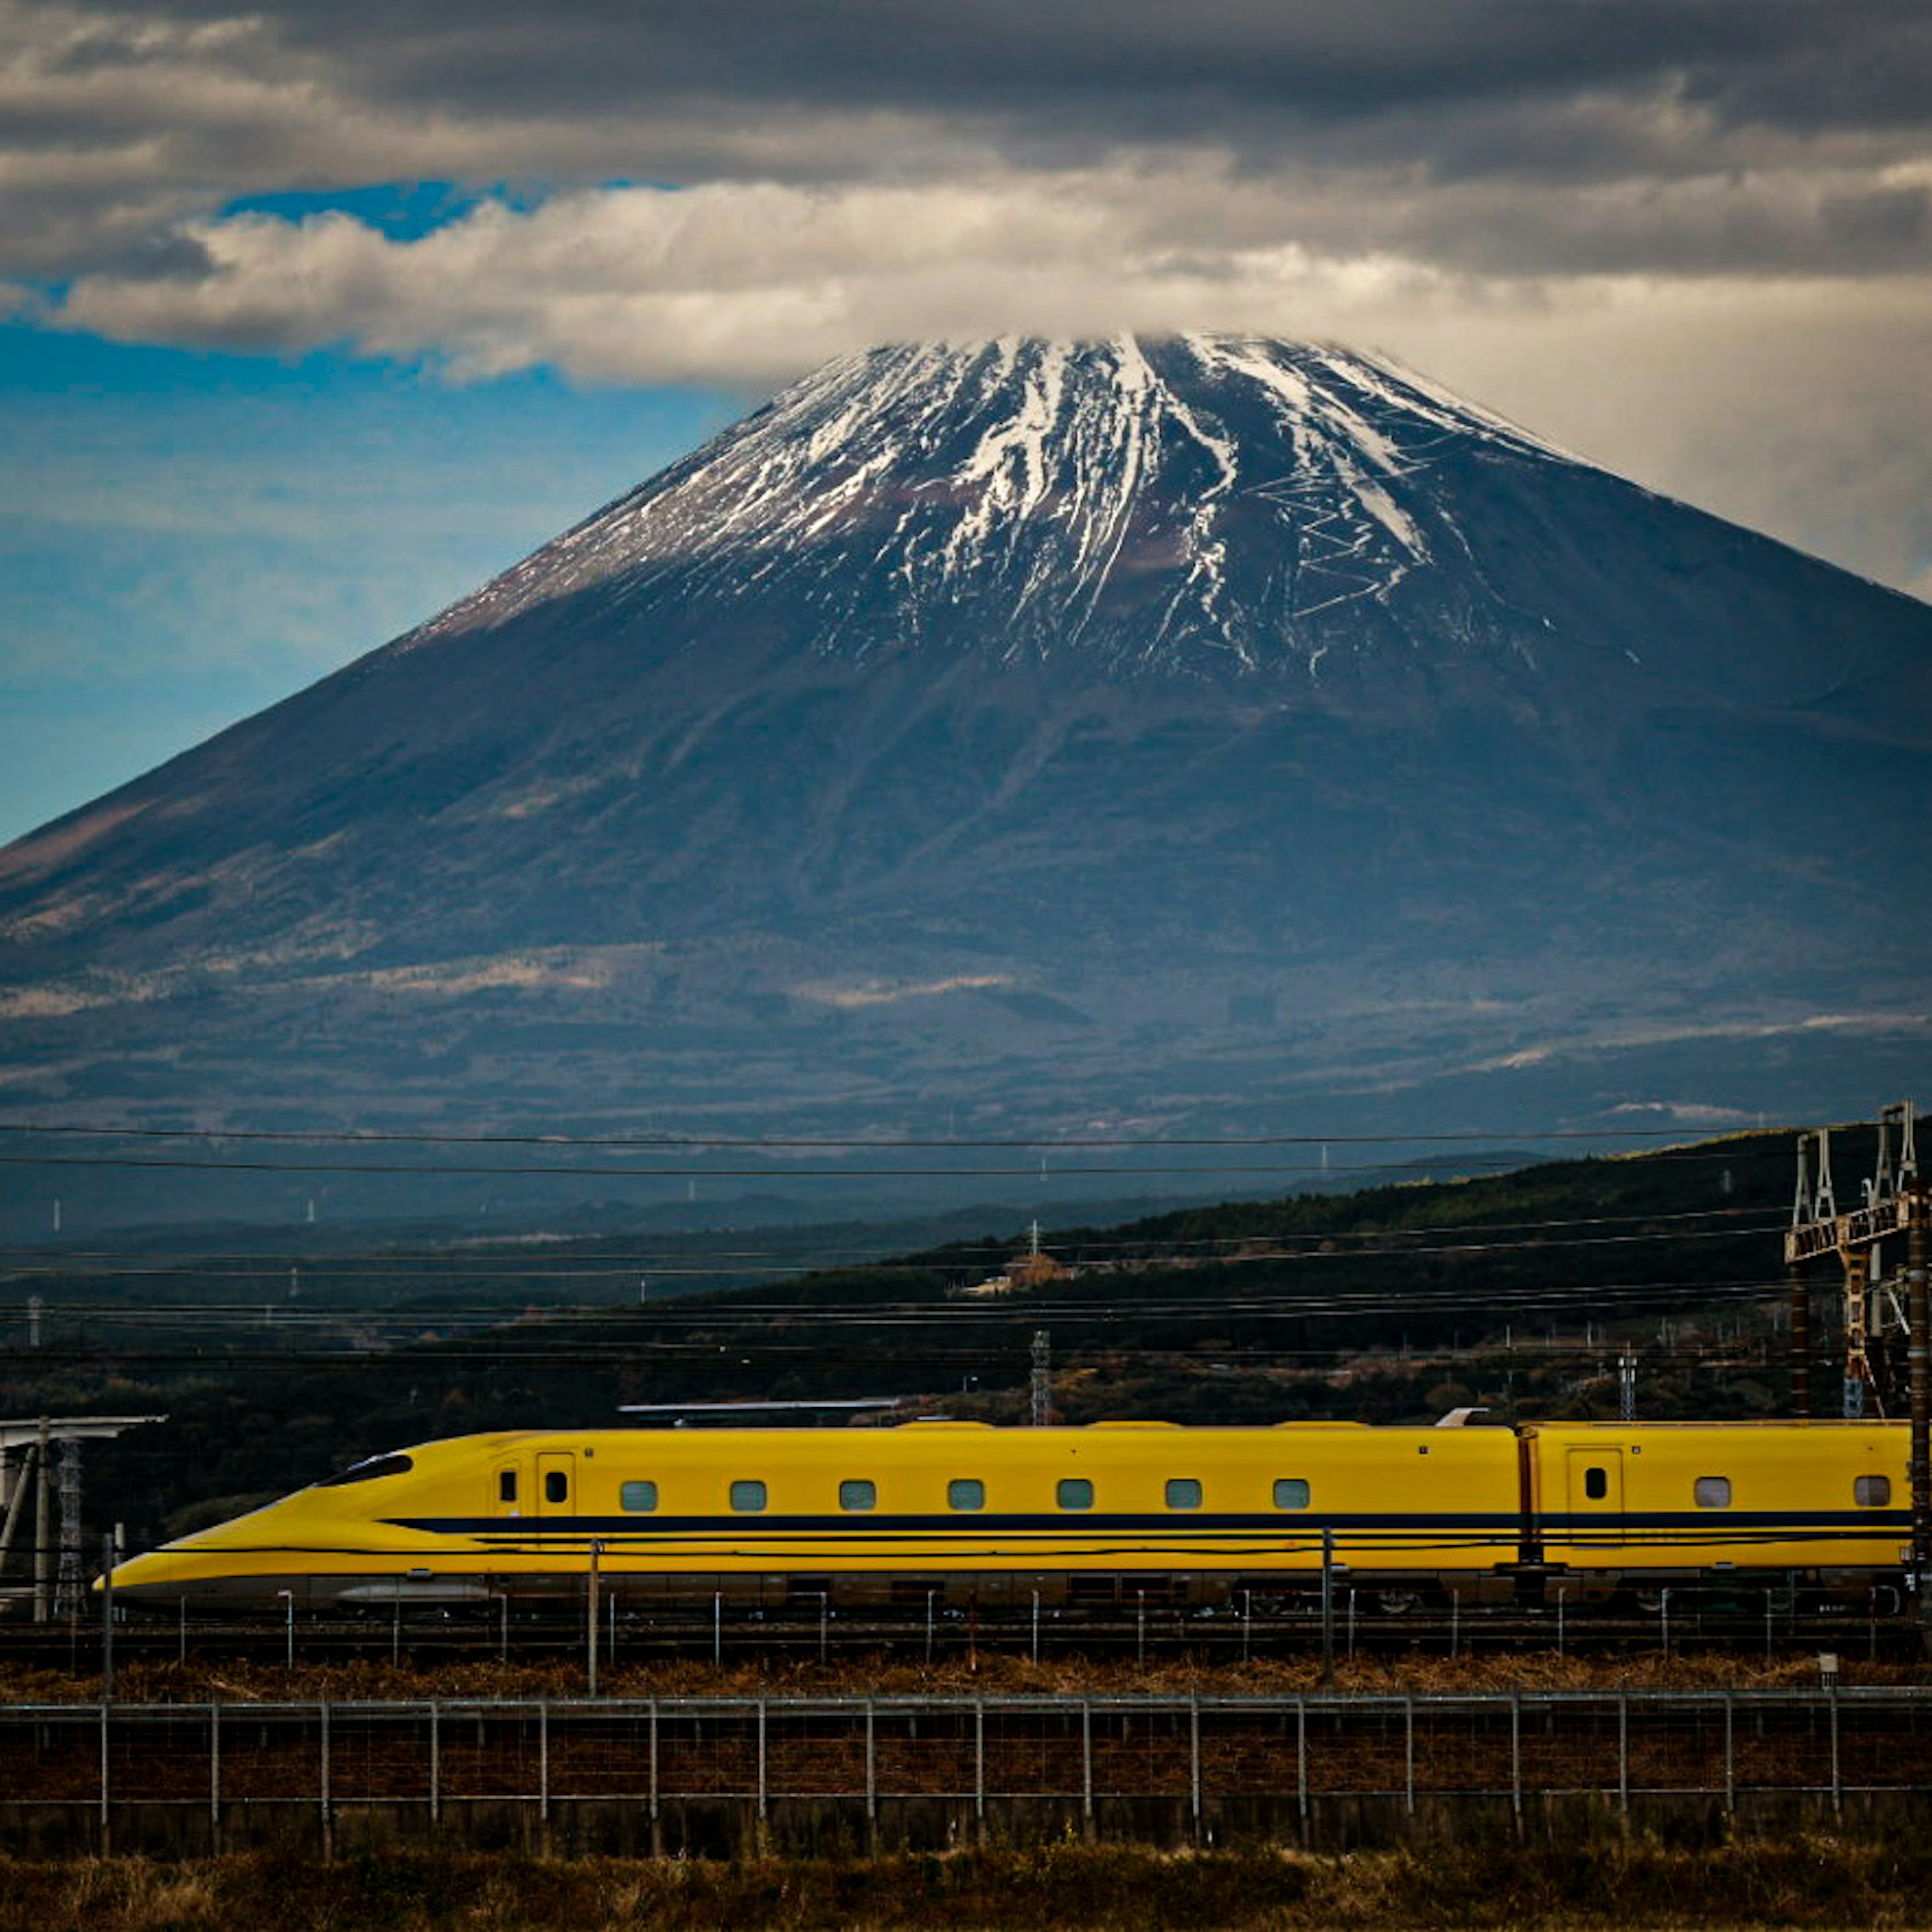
686, 1141
1398, 1246
1059, 1170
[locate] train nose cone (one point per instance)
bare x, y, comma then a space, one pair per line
152, 1578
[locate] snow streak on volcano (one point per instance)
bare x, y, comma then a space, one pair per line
913, 493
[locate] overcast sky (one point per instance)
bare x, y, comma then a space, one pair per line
316, 312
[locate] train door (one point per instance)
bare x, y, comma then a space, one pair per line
1596, 1505
507, 1496
556, 1483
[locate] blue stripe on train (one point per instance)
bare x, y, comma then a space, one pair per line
975, 1523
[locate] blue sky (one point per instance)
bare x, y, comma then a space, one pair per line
188, 537
313, 316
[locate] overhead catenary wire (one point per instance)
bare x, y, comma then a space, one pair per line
711, 1171
293, 1136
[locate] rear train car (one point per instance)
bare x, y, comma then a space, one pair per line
1650, 1506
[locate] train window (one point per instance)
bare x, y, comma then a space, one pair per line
557, 1487
1074, 1492
1596, 1484
857, 1493
638, 1499
506, 1486
367, 1472
1291, 1493
1183, 1492
748, 1497
1712, 1492
966, 1492
1871, 1491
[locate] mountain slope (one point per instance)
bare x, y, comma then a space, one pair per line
1158, 728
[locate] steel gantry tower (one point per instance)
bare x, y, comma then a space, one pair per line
1894, 1209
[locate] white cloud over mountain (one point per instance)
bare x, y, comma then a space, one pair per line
1693, 239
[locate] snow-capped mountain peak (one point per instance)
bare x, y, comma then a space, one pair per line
1197, 502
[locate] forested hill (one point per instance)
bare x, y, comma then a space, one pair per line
1516, 1293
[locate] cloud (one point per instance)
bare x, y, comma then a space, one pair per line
113, 120
1800, 404
1680, 236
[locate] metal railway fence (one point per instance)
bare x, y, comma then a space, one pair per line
720, 1774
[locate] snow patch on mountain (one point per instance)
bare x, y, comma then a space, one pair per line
1162, 503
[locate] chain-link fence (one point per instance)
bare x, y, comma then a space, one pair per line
1109, 1767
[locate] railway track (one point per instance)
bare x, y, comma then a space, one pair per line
1228, 1638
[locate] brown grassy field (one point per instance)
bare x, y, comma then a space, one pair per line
1814, 1881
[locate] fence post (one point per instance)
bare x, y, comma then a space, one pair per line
1194, 1761
1086, 1767
215, 1781
761, 1761
1730, 1766
327, 1795
590, 1617
979, 1763
1623, 1752
435, 1762
1328, 1610
543, 1765
107, 1622
1301, 1763
106, 1825
1516, 1759
1837, 1789
871, 1771
1409, 1755
654, 1763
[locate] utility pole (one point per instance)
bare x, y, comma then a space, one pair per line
1043, 1379
71, 1584
44, 1529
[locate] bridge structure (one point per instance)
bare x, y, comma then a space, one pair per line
40, 1463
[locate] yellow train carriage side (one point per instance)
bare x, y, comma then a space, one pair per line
1648, 1504
861, 1516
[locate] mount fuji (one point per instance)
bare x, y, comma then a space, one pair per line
1210, 734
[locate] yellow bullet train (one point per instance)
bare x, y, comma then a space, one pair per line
954, 1513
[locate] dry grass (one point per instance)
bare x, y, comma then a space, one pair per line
1813, 1882
1417, 1672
